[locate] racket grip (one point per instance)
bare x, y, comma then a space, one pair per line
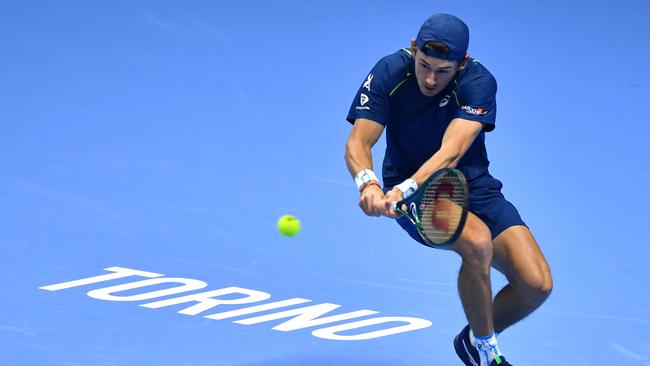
393, 205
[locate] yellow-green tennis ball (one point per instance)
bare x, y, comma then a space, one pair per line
288, 225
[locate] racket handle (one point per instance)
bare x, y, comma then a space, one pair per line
393, 205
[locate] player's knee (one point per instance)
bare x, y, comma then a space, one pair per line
539, 285
545, 286
475, 246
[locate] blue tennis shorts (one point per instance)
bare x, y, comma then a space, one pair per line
487, 202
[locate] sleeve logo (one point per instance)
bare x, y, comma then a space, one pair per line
474, 111
364, 99
366, 84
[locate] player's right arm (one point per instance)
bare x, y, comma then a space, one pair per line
369, 113
358, 156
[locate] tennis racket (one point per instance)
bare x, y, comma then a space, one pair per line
440, 208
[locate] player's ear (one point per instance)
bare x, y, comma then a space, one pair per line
463, 62
414, 47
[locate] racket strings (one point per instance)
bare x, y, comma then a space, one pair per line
441, 208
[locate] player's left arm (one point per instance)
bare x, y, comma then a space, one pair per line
458, 137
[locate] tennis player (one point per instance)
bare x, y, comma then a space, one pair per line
436, 104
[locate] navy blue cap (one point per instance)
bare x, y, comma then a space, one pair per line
447, 29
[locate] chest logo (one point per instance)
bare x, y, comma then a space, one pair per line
474, 111
444, 101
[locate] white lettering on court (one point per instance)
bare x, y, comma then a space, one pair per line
411, 324
208, 300
298, 318
187, 284
306, 317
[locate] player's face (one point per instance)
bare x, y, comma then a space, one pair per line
433, 74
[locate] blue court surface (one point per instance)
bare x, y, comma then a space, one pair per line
150, 147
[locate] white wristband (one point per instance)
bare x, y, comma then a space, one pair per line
364, 177
407, 187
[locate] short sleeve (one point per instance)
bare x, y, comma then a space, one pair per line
372, 100
476, 96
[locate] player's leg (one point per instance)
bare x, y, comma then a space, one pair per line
517, 255
475, 248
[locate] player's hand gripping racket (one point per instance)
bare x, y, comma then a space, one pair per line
440, 208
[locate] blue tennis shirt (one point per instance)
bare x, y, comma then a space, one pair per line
415, 123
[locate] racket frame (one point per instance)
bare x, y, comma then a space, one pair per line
412, 210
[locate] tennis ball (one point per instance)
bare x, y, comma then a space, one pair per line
288, 225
